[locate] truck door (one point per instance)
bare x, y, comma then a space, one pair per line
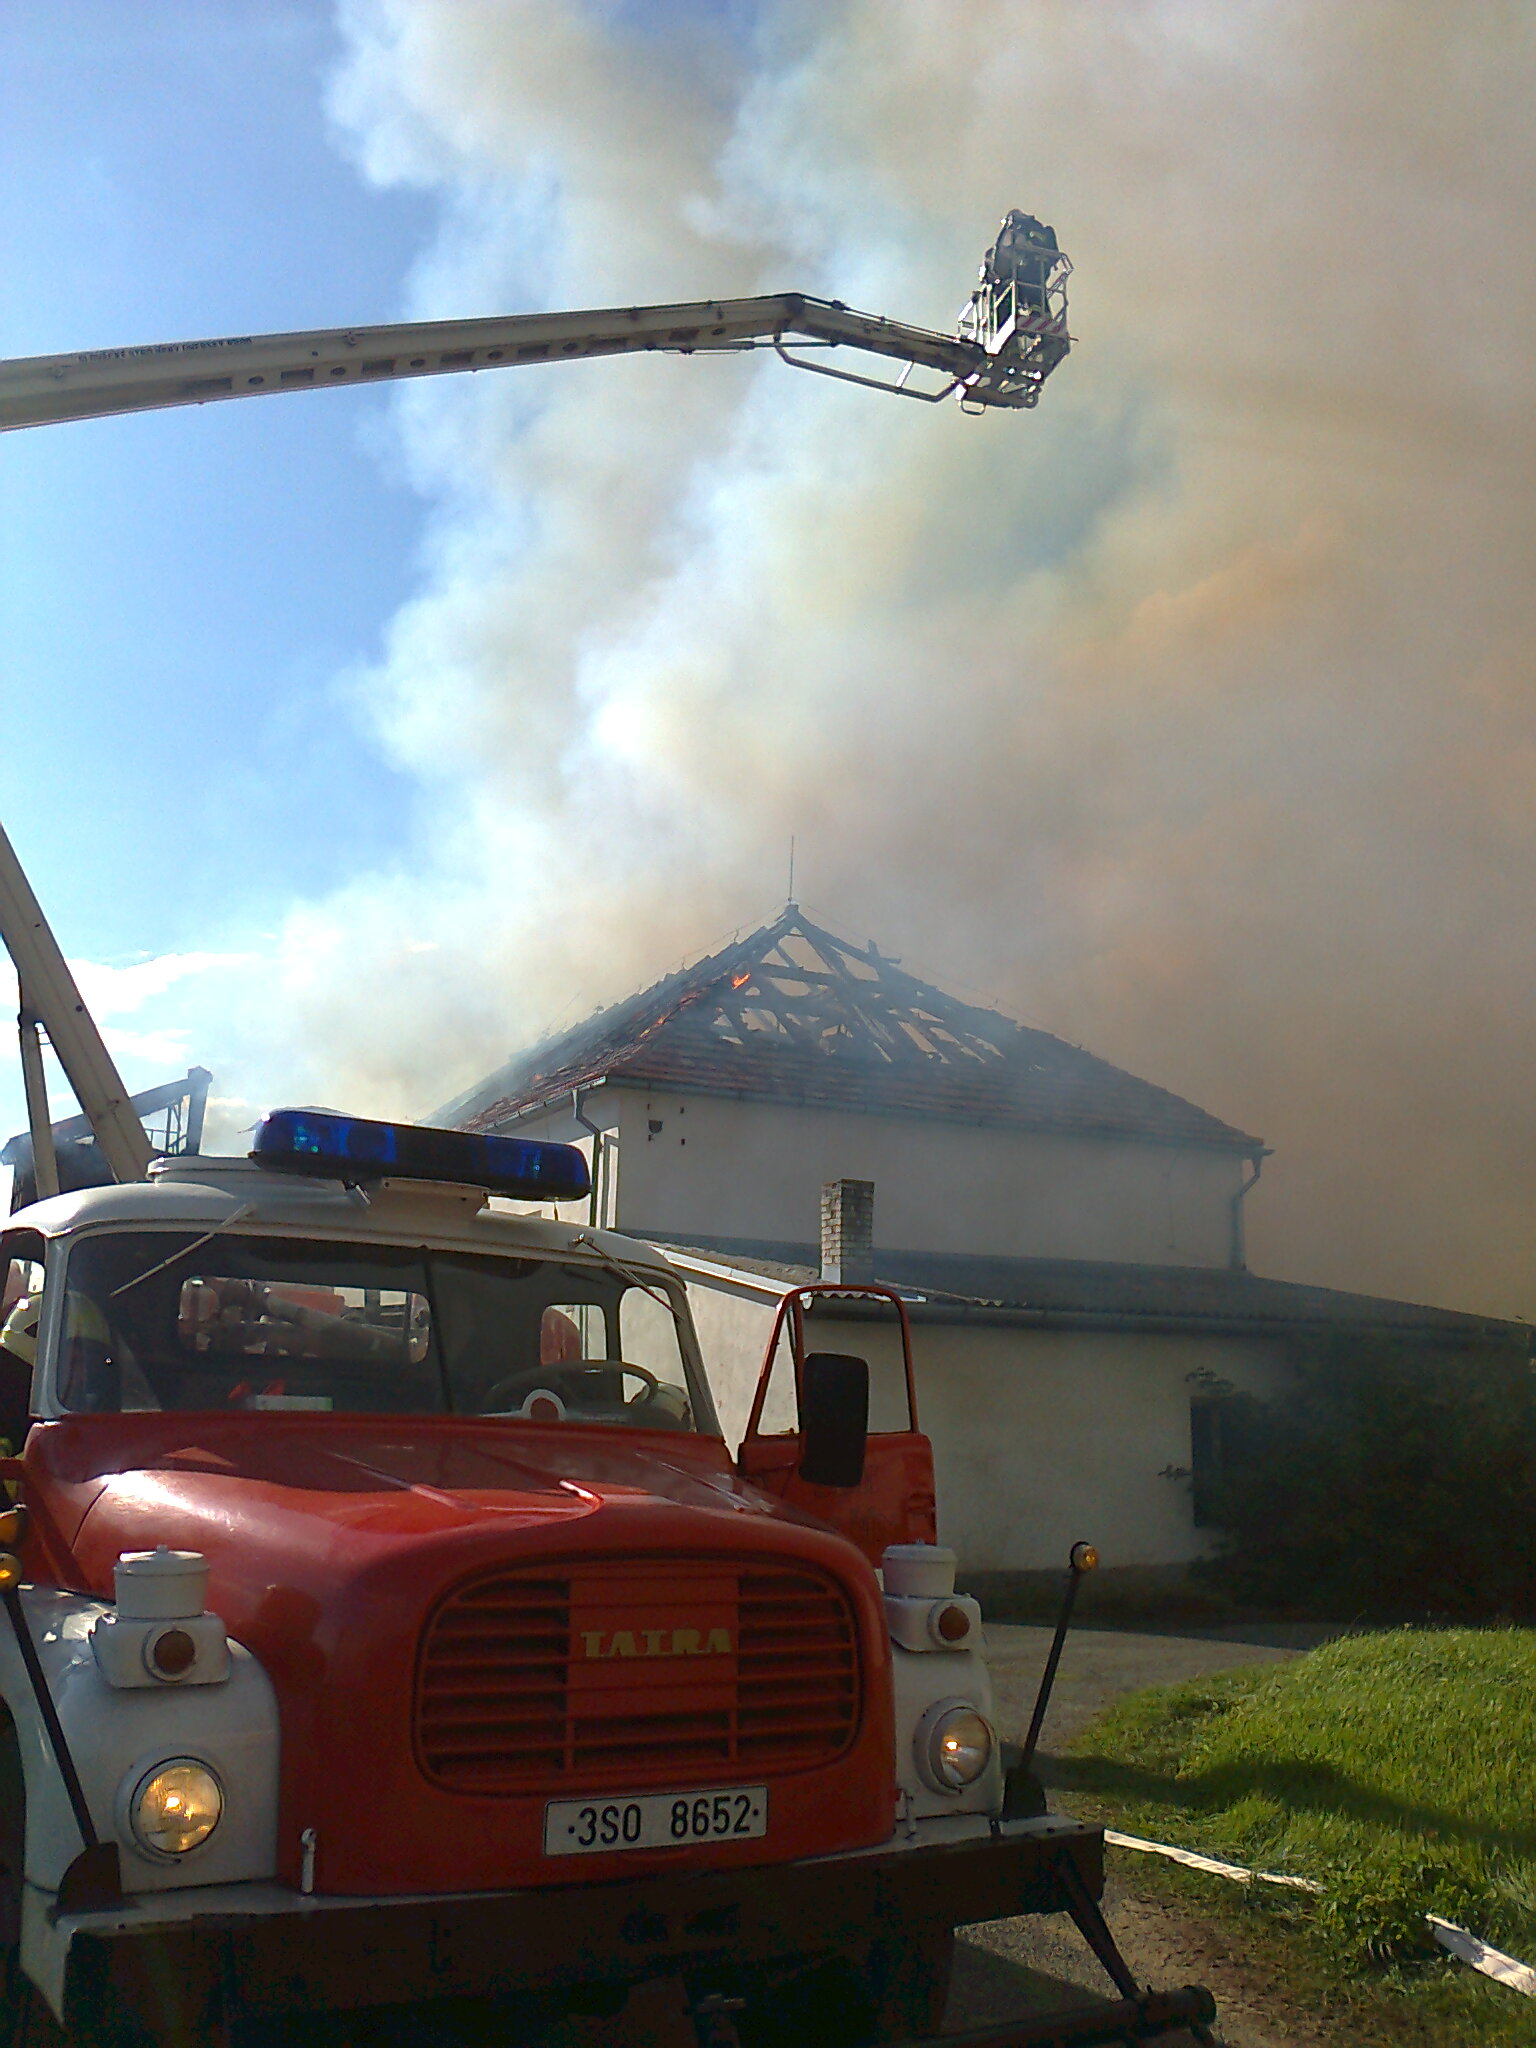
894, 1502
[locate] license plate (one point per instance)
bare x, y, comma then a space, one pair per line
655, 1820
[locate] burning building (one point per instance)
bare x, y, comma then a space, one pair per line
1069, 1238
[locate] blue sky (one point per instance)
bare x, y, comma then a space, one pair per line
181, 590
182, 593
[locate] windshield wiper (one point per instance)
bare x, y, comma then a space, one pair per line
626, 1273
235, 1216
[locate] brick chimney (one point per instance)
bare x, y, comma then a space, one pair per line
848, 1230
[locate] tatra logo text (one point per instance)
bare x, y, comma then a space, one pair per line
656, 1642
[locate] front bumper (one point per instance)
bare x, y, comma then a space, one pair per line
175, 1964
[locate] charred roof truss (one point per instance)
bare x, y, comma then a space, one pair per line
796, 1014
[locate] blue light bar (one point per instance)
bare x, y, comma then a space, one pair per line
349, 1148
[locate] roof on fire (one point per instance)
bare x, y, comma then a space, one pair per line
794, 1014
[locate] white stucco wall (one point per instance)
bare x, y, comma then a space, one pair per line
750, 1170
1044, 1437
1040, 1437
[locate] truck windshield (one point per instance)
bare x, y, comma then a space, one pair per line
164, 1320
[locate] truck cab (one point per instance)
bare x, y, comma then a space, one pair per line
390, 1622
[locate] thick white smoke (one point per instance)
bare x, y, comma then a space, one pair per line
1191, 716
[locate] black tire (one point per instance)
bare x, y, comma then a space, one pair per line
907, 1983
895, 1991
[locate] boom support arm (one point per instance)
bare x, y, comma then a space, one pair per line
49, 997
38, 390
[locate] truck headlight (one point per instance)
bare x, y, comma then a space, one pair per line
175, 1806
954, 1745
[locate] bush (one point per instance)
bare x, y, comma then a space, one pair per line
1372, 1910
1384, 1484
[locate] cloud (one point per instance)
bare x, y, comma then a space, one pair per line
228, 1121
119, 991
1191, 716
168, 1050
184, 1007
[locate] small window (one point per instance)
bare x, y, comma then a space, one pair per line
876, 1340
1220, 1442
21, 1306
23, 1282
781, 1410
1204, 1457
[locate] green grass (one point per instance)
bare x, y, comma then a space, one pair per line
1397, 1769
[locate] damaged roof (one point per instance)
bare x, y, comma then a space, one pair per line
794, 1014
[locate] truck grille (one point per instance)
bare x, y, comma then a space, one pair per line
627, 1672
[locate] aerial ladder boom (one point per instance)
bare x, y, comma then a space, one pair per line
1001, 356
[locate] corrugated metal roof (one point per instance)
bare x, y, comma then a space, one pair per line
794, 1014
1089, 1290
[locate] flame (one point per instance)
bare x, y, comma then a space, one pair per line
740, 980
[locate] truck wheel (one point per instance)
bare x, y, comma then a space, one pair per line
908, 1985
895, 1991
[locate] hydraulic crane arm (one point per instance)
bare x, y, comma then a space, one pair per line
982, 369
49, 997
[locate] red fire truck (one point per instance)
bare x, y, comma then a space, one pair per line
389, 1624
388, 1627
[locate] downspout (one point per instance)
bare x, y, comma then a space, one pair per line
1237, 1254
599, 1161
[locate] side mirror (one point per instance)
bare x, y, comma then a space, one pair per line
834, 1418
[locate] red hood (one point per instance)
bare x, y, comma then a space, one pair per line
332, 1539
327, 1496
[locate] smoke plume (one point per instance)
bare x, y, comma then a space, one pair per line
1189, 717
